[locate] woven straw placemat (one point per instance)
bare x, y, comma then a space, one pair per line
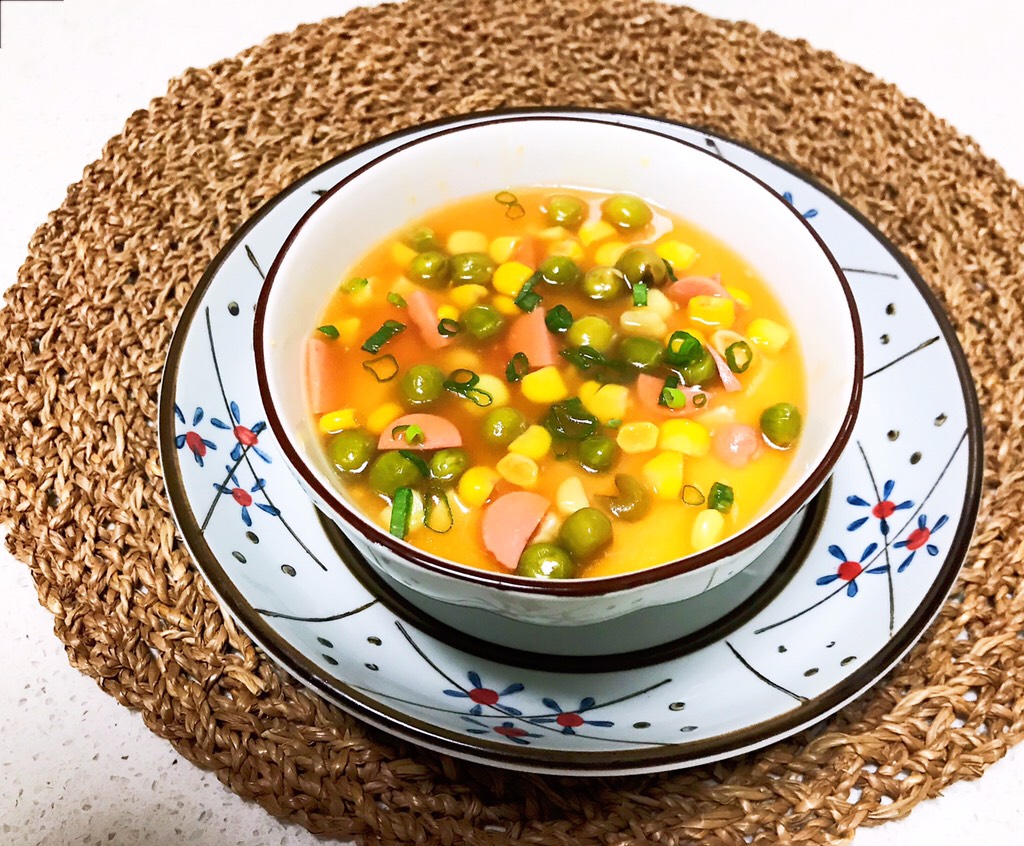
83, 339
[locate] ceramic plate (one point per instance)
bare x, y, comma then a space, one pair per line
876, 559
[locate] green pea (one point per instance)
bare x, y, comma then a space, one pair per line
781, 424
561, 271
626, 212
448, 464
392, 471
503, 425
431, 269
642, 264
701, 371
482, 321
585, 533
545, 561
422, 384
351, 450
472, 268
603, 283
591, 331
566, 211
643, 353
597, 453
422, 239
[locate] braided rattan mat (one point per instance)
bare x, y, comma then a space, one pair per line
83, 343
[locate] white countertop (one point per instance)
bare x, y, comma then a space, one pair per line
76, 767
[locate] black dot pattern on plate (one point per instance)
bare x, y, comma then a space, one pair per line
811, 672
890, 309
641, 725
940, 419
884, 339
376, 641
849, 659
373, 667
892, 434
330, 659
253, 537
233, 309
688, 728
677, 706
325, 642
288, 569
916, 457
238, 556
782, 648
830, 644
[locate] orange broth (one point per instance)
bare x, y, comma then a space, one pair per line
664, 534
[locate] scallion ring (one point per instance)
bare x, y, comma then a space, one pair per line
738, 356
383, 368
448, 327
401, 509
517, 368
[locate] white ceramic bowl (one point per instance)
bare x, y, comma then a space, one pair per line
588, 154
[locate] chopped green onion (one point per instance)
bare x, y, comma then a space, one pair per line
384, 368
448, 327
437, 511
699, 400
672, 397
412, 433
463, 382
583, 357
330, 331
671, 384
692, 495
515, 211
640, 294
671, 271
506, 198
738, 356
683, 349
353, 285
421, 465
720, 497
614, 423
569, 419
517, 368
401, 509
387, 331
527, 299
558, 319
397, 300
463, 377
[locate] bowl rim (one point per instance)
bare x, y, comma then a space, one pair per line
585, 587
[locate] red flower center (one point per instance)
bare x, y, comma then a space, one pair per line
195, 443
569, 720
510, 731
884, 509
484, 696
849, 570
245, 436
242, 497
918, 538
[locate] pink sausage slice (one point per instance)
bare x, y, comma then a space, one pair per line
648, 391
695, 286
729, 380
508, 523
529, 334
423, 312
438, 433
325, 394
736, 444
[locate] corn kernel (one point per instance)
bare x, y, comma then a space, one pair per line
664, 473
741, 296
643, 322
501, 248
337, 421
588, 390
506, 305
510, 276
476, 485
598, 230
554, 233
467, 241
713, 311
463, 357
383, 416
360, 295
402, 254
768, 334
608, 254
608, 402
533, 443
681, 256
403, 286
659, 303
415, 513
571, 496
519, 470
634, 438
570, 248
497, 388
448, 312
544, 385
686, 436
348, 330
465, 296
707, 529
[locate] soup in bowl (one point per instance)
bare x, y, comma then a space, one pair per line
534, 361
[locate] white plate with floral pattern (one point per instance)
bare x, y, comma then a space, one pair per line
875, 563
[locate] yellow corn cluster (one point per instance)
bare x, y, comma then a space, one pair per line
681, 256
467, 241
447, 311
740, 295
510, 276
383, 416
712, 311
686, 436
544, 386
533, 443
605, 402
608, 254
598, 230
465, 296
501, 248
506, 305
664, 473
476, 485
402, 254
634, 438
767, 334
